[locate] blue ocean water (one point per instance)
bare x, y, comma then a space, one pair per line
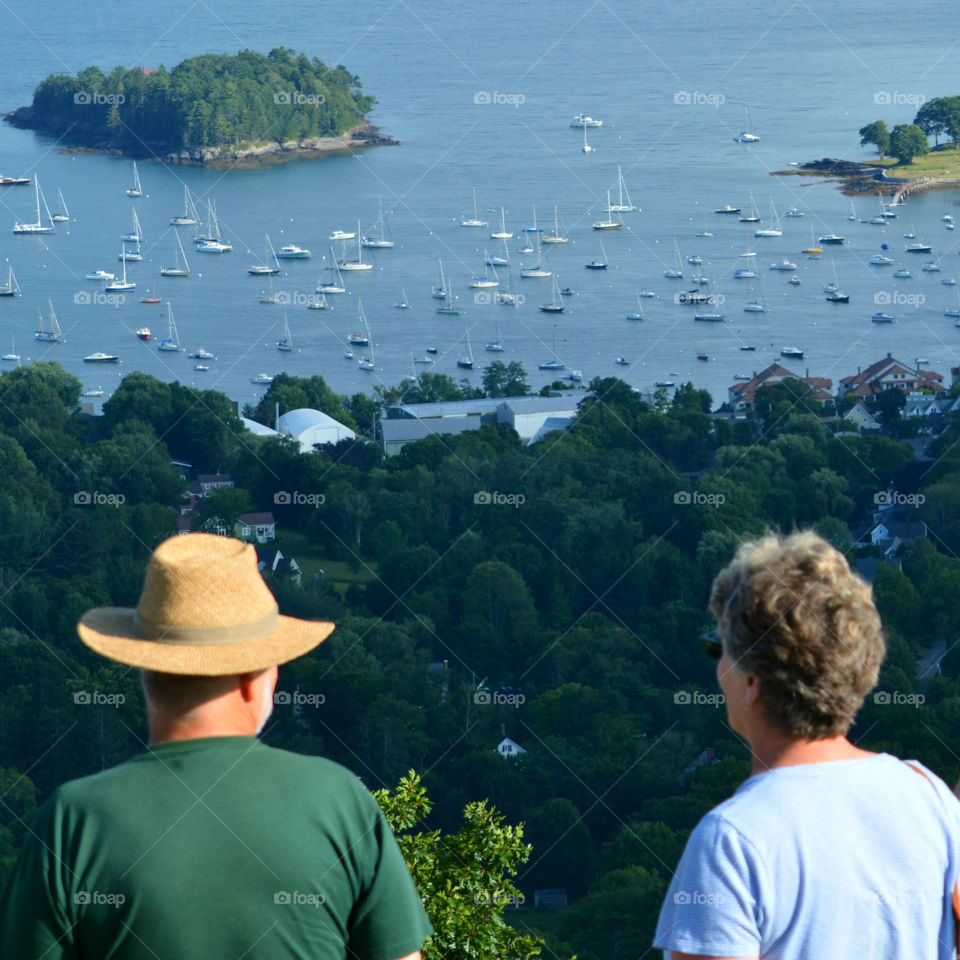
482, 97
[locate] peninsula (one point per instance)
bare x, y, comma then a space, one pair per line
249, 108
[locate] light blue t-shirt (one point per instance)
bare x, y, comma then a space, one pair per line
852, 858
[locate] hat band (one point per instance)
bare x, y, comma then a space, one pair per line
203, 636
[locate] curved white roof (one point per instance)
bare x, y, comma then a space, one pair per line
258, 428
297, 422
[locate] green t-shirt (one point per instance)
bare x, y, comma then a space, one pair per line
209, 849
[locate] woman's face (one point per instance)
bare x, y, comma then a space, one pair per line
735, 689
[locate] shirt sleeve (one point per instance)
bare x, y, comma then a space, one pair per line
713, 906
388, 920
33, 919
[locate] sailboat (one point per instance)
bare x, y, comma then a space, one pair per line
189, 217
751, 216
135, 190
466, 361
598, 264
37, 227
134, 236
538, 270
713, 316
745, 136
484, 282
775, 229
361, 339
357, 264
622, 206
63, 214
53, 335
335, 283
12, 356
443, 292
555, 305
172, 341
495, 345
502, 233
270, 297
286, 341
755, 306
12, 289
475, 221
556, 236
555, 363
122, 285
638, 313
813, 250
318, 302
153, 298
496, 260
379, 242
270, 263
609, 223
177, 270
675, 273
366, 363
836, 295
213, 242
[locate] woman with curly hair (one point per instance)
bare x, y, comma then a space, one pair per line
826, 850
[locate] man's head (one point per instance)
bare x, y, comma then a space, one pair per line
792, 614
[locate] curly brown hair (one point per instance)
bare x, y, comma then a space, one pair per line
793, 614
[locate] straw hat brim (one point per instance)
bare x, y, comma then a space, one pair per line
111, 632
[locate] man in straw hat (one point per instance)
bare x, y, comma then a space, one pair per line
209, 845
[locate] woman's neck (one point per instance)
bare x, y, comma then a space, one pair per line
771, 749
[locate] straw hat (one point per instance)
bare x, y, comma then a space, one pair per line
204, 611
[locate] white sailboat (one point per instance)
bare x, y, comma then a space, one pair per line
555, 363
638, 313
475, 221
134, 236
122, 285
136, 190
745, 136
177, 270
12, 356
538, 270
63, 214
189, 217
366, 363
213, 243
357, 264
53, 335
502, 233
609, 223
270, 263
556, 236
774, 230
484, 282
378, 241
624, 203
285, 343
12, 289
466, 361
498, 260
443, 293
750, 216
677, 272
37, 227
496, 345
335, 282
556, 305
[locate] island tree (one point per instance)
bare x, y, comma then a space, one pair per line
908, 141
877, 134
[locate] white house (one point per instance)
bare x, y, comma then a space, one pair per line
509, 748
311, 427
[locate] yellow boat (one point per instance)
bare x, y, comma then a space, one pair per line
812, 250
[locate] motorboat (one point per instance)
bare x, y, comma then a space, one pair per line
794, 353
290, 251
582, 120
100, 357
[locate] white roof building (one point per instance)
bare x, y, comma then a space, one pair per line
310, 427
258, 428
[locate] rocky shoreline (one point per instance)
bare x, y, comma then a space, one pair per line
242, 156
862, 177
